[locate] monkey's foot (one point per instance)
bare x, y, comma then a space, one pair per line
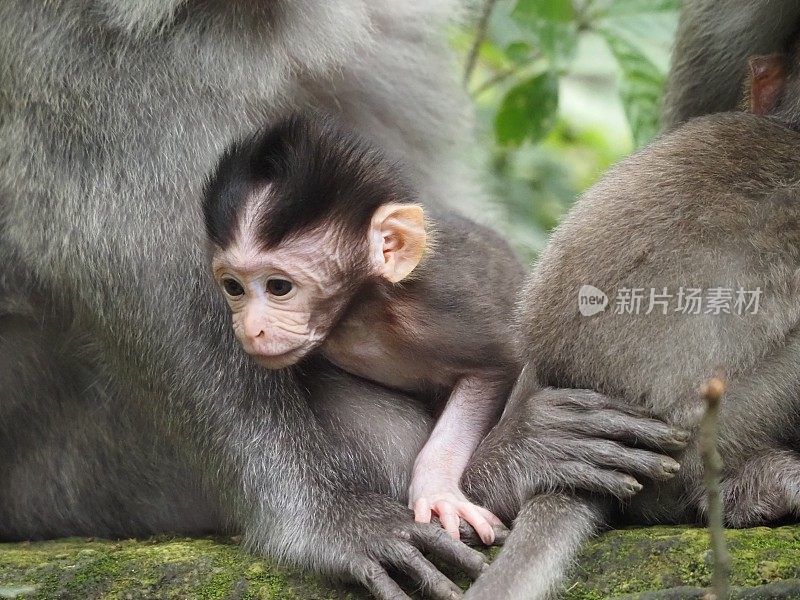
765, 489
450, 505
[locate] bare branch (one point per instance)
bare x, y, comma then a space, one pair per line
712, 392
480, 34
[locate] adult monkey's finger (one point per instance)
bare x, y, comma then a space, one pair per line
436, 541
375, 578
432, 581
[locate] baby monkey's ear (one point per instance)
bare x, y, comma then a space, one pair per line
766, 82
397, 239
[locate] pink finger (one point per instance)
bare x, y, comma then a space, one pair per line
489, 516
422, 511
449, 518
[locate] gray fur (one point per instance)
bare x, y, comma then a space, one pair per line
715, 38
695, 216
126, 407
716, 203
95, 120
525, 566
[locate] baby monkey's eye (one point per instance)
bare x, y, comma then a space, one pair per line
279, 287
232, 287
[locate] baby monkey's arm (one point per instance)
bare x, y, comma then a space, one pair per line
471, 410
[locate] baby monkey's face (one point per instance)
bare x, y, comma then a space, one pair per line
285, 300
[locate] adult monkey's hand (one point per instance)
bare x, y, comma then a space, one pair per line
380, 536
554, 464
550, 440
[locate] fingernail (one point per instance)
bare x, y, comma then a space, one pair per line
670, 466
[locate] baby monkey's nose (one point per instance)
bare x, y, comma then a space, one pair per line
256, 333
254, 327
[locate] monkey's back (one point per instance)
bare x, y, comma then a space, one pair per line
454, 314
715, 204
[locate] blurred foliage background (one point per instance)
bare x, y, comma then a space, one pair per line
563, 89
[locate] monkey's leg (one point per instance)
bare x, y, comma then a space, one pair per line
380, 431
467, 416
547, 535
759, 441
76, 457
763, 490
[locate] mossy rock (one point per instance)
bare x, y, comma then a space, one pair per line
657, 562
675, 562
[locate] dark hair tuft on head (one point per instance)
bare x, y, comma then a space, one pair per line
318, 173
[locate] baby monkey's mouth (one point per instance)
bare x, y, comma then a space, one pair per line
287, 358
282, 360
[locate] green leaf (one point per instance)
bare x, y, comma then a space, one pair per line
492, 56
557, 41
519, 53
621, 8
528, 110
651, 34
553, 26
557, 11
641, 88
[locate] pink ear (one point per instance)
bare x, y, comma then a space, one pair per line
398, 238
767, 81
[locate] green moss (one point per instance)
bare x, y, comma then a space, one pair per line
618, 563
639, 560
166, 568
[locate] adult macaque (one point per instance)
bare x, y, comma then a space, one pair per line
319, 244
709, 211
126, 407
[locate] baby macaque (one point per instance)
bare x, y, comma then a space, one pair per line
319, 246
